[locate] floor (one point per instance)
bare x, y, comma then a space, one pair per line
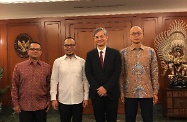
53, 116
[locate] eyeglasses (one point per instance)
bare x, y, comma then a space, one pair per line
101, 37
33, 49
135, 33
69, 45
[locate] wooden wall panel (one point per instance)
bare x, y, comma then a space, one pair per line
53, 42
85, 42
149, 26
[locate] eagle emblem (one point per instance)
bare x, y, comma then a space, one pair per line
21, 45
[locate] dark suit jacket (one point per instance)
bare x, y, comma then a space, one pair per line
108, 76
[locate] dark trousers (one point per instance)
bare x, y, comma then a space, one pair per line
131, 107
70, 112
105, 109
33, 116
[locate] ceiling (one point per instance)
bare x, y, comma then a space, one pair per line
64, 8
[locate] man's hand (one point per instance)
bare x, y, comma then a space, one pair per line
54, 104
122, 97
101, 91
155, 99
17, 109
85, 103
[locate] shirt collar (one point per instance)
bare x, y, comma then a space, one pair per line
104, 49
65, 56
31, 62
142, 47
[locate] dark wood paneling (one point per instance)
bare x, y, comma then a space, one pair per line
150, 26
53, 42
176, 103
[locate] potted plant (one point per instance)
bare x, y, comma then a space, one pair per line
2, 91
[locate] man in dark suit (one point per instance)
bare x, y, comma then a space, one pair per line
103, 72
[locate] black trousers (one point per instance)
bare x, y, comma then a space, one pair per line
70, 112
33, 116
131, 107
105, 109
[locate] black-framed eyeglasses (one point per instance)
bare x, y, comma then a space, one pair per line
69, 45
135, 33
33, 49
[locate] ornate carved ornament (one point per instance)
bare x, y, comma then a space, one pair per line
171, 47
21, 44
167, 40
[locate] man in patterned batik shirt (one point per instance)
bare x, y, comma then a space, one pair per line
31, 86
139, 78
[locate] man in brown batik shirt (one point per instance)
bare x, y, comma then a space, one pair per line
139, 78
30, 87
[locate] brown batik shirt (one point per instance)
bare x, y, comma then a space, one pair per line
31, 85
139, 76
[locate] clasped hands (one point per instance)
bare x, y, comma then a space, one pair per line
101, 91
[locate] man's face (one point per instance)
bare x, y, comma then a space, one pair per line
34, 52
136, 35
100, 39
69, 47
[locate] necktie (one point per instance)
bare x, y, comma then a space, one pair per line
101, 58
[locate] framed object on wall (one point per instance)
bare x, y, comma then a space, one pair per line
21, 44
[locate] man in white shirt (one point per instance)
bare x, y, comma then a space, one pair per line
69, 86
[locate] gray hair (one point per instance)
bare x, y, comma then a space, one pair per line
100, 29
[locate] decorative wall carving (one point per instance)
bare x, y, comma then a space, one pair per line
172, 51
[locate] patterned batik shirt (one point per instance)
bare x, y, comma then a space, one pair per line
31, 85
139, 76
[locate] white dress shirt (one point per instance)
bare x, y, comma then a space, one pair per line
104, 52
69, 76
